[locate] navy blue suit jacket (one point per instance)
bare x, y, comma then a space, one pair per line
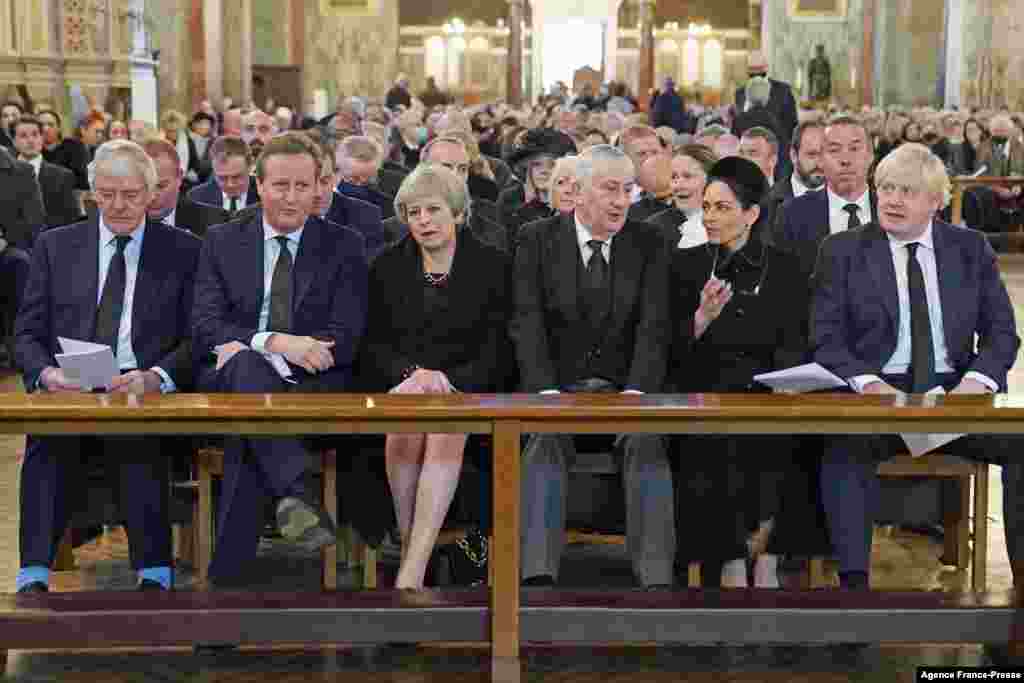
855, 311
63, 288
364, 218
801, 226
330, 290
209, 194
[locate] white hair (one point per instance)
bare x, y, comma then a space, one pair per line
597, 160
123, 158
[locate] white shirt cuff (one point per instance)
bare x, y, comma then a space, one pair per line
860, 381
259, 341
632, 391
984, 379
167, 385
550, 391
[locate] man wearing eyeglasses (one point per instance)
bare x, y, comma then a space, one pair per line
909, 304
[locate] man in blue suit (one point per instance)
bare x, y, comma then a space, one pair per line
232, 187
282, 282
126, 281
847, 201
360, 216
905, 305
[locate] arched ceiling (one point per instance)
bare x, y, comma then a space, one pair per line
718, 13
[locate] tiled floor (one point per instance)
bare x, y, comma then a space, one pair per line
900, 560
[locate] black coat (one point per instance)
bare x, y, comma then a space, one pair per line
465, 338
57, 185
645, 208
74, 156
555, 342
21, 205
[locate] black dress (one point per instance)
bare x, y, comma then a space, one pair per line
726, 485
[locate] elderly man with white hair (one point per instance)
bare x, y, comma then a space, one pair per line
126, 281
591, 316
908, 304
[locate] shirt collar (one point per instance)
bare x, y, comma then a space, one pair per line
36, 163
836, 203
583, 234
107, 236
924, 240
270, 233
799, 188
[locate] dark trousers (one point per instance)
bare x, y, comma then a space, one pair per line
14, 267
850, 488
254, 467
54, 484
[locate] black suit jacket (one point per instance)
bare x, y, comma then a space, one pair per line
361, 217
21, 204
63, 289
646, 207
482, 229
771, 208
57, 185
855, 313
197, 218
330, 280
555, 343
210, 194
803, 224
667, 223
390, 177
781, 104
467, 339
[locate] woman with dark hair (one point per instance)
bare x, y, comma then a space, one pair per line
740, 308
436, 324
975, 134
912, 132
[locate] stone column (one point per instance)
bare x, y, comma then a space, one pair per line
237, 54
205, 25
514, 58
143, 68
954, 51
867, 55
755, 24
643, 94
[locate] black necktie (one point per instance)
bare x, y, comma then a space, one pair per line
854, 221
597, 284
281, 290
922, 353
233, 207
108, 315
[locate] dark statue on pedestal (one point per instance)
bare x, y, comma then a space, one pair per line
819, 76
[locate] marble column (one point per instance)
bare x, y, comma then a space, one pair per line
143, 68
646, 52
237, 41
514, 60
954, 52
867, 55
205, 25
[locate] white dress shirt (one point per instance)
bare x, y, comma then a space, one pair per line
241, 200
899, 363
126, 359
839, 218
169, 218
799, 189
36, 163
583, 235
271, 252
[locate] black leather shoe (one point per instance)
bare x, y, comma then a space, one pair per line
34, 587
150, 585
539, 581
305, 525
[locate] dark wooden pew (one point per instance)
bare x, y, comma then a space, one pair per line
500, 614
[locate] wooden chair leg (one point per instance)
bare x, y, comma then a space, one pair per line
369, 567
65, 558
329, 490
979, 555
956, 523
204, 521
816, 568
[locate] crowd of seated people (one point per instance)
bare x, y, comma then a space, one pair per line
556, 249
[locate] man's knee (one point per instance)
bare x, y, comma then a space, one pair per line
249, 371
645, 450
547, 450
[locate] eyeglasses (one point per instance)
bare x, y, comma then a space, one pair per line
763, 264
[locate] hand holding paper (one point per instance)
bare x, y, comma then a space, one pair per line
91, 365
801, 379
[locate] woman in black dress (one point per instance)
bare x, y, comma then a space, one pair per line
438, 310
740, 308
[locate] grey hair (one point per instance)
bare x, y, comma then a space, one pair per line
123, 158
596, 159
759, 91
433, 180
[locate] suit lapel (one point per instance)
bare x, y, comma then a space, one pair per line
147, 284
824, 226
306, 260
250, 257
88, 276
563, 267
879, 258
627, 268
946, 254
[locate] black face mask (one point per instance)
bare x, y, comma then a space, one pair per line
998, 141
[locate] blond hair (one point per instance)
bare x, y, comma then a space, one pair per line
565, 166
433, 180
913, 157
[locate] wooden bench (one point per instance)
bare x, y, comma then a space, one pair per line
500, 614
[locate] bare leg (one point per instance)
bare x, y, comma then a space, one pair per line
403, 458
439, 476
